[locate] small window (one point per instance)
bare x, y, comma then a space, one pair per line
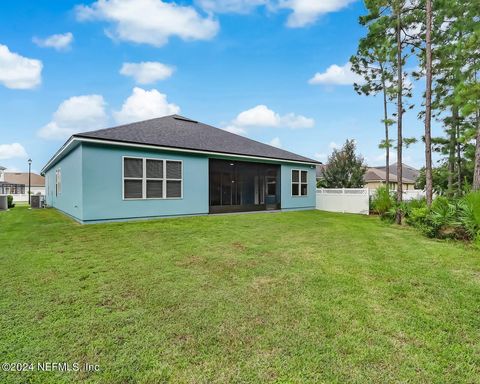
133, 168
154, 169
154, 179
58, 182
299, 183
133, 189
174, 179
154, 189
174, 188
132, 178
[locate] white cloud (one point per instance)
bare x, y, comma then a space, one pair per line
306, 12
259, 116
337, 75
59, 42
150, 21
76, 114
334, 145
143, 105
11, 151
18, 72
275, 142
147, 72
235, 130
321, 156
230, 6
262, 116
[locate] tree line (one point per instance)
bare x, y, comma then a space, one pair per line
440, 40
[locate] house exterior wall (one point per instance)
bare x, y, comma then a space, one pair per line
92, 184
103, 183
297, 202
70, 199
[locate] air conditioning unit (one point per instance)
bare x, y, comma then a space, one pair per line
37, 201
3, 202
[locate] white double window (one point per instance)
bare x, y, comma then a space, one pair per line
299, 182
145, 178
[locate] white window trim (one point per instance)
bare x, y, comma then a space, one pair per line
144, 179
299, 182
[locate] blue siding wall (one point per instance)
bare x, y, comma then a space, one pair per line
297, 202
92, 185
102, 185
70, 200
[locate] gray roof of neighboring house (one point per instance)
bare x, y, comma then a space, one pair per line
320, 170
179, 132
409, 174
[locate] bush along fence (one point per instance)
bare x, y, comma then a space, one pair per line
447, 218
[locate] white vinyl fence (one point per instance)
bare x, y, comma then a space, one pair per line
354, 200
345, 200
17, 198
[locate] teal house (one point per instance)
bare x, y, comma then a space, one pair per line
173, 166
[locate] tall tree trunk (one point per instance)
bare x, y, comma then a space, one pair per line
428, 105
398, 218
387, 139
476, 172
456, 121
451, 158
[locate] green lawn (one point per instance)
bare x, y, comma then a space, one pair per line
298, 297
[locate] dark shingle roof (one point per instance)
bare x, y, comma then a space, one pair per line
179, 132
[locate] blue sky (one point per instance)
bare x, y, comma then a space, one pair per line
242, 65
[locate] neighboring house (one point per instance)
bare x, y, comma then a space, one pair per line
320, 171
18, 182
376, 176
173, 166
9, 187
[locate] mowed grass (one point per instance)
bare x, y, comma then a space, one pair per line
299, 297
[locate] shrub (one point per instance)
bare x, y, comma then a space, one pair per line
382, 203
10, 201
469, 214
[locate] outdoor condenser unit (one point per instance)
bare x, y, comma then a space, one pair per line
37, 201
3, 202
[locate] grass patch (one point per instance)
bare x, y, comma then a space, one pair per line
286, 297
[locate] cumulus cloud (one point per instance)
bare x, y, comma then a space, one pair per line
143, 105
275, 142
149, 21
18, 72
262, 116
147, 72
336, 75
306, 12
76, 114
230, 6
321, 156
12, 151
60, 42
235, 130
